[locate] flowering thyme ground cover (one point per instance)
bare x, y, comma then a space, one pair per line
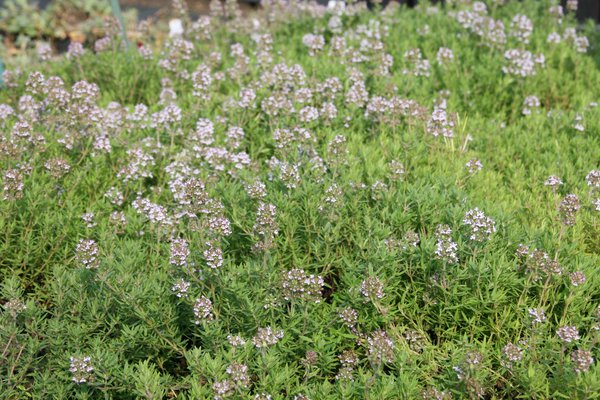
307, 204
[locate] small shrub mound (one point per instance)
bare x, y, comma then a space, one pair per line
307, 203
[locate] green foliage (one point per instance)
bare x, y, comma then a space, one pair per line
23, 17
56, 20
109, 318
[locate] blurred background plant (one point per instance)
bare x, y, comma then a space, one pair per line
23, 18
25, 23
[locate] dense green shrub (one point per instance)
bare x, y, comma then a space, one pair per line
23, 20
319, 205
